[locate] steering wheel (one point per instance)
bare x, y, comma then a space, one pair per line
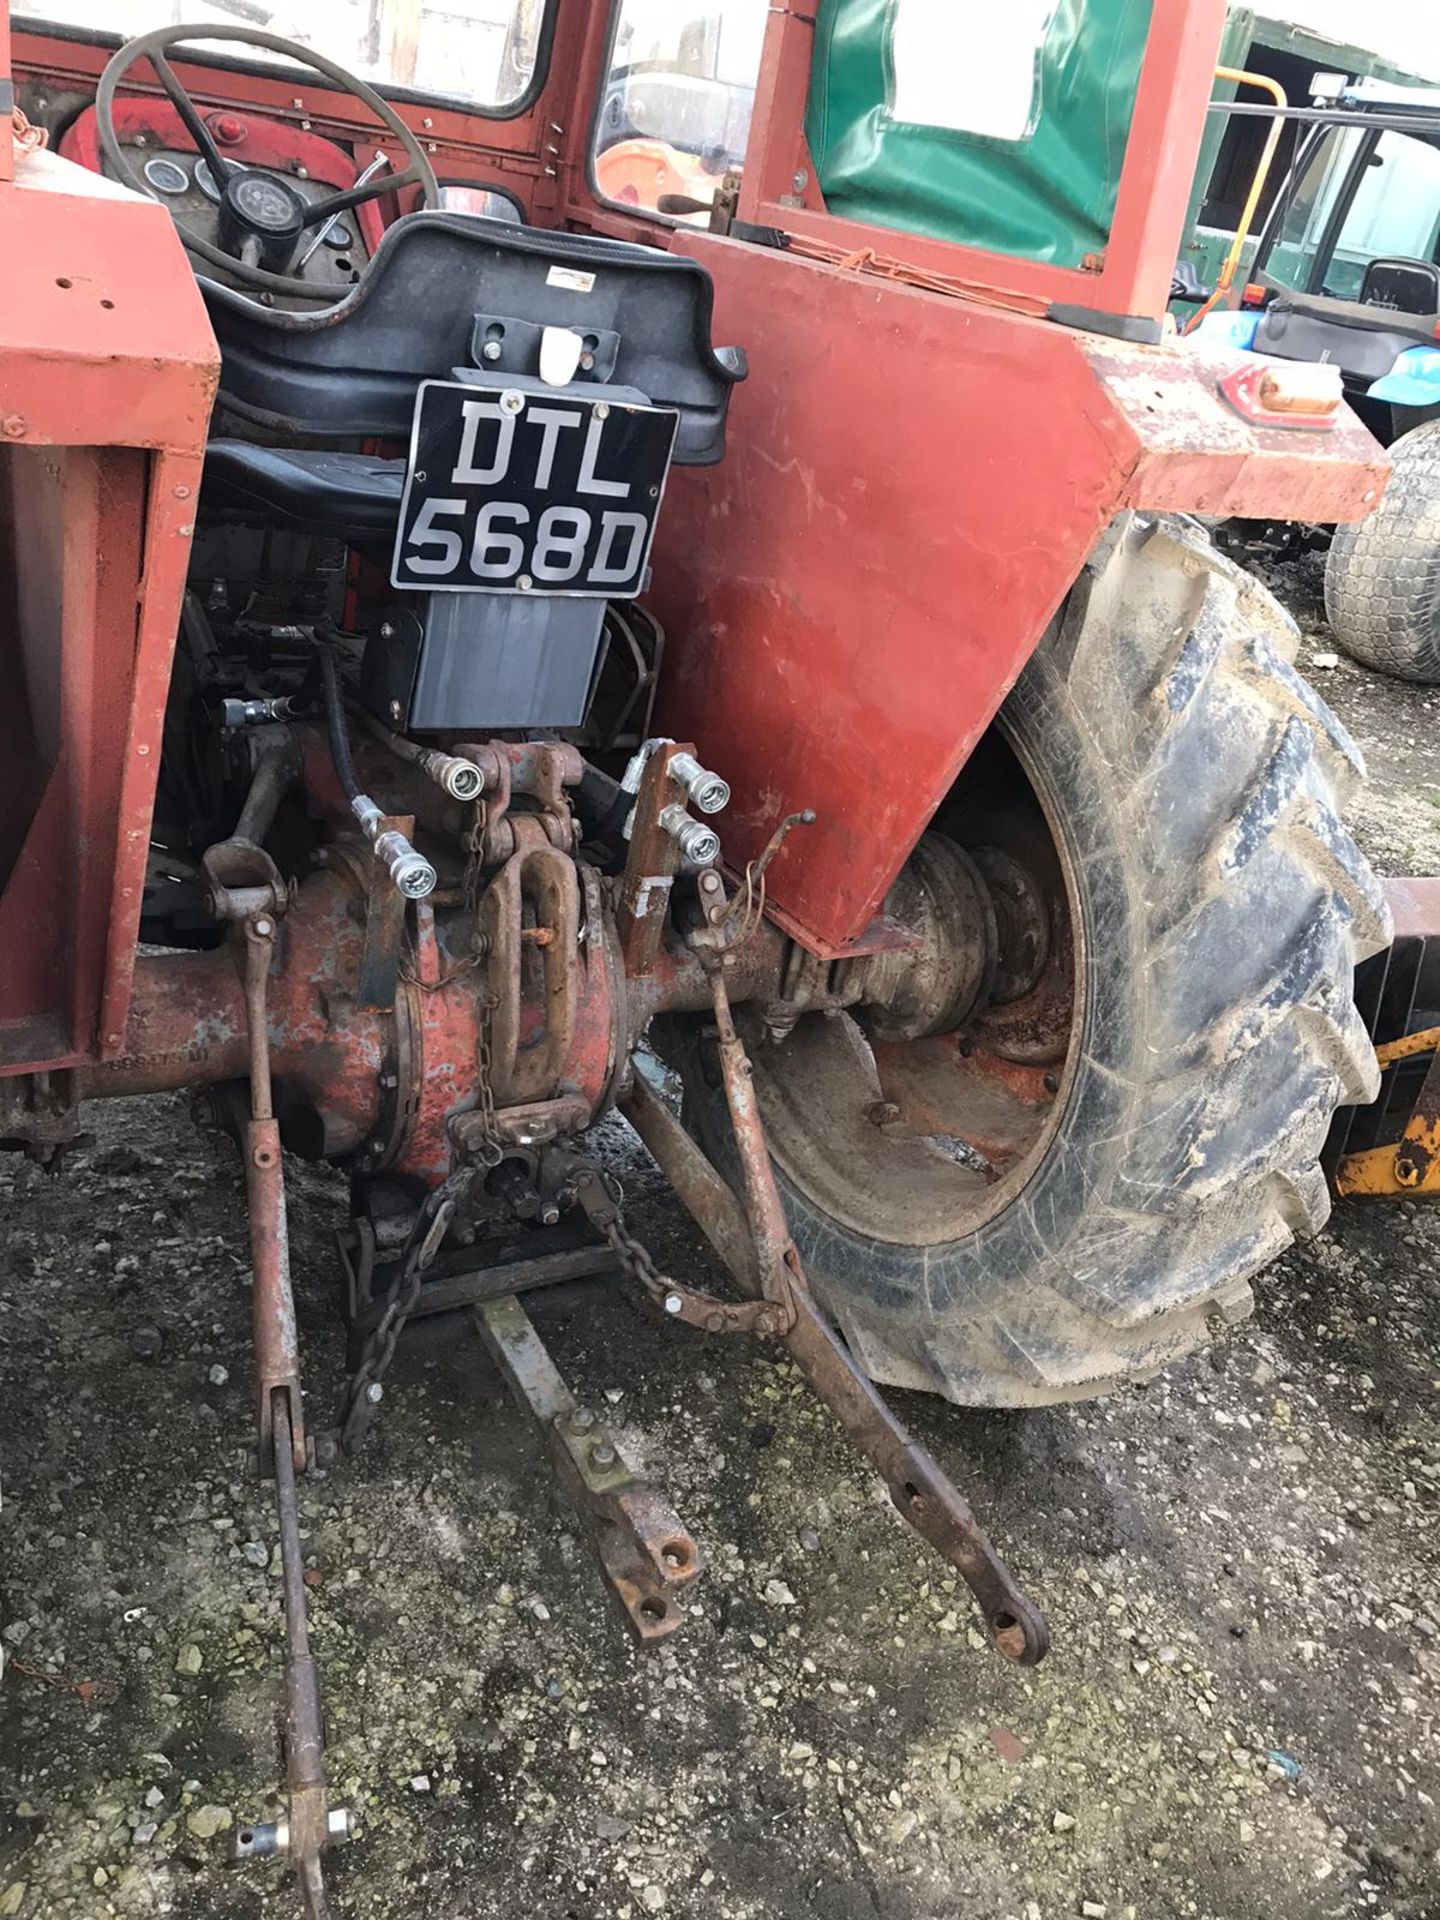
262, 217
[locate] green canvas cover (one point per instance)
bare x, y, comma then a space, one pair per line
1046, 195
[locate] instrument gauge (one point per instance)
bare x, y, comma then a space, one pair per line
205, 179
167, 176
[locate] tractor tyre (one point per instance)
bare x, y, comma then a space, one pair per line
1382, 575
1076, 1187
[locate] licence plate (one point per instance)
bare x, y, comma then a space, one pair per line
523, 492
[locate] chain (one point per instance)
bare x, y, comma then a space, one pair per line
632, 1256
487, 1150
601, 1200
363, 1390
475, 853
474, 872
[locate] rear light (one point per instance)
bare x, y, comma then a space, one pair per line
1252, 294
1300, 393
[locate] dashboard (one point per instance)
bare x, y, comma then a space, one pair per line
159, 148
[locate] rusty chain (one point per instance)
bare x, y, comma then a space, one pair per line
475, 853
601, 1200
363, 1390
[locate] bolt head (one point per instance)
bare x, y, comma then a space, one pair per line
512, 401
582, 1419
491, 350
375, 1392
673, 1303
603, 1454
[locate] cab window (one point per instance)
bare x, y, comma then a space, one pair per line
674, 115
1390, 193
481, 52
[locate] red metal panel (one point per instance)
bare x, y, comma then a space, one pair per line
850, 594
107, 371
911, 486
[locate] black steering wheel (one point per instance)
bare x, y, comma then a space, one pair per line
262, 217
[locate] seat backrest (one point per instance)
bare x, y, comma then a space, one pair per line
449, 291
1402, 286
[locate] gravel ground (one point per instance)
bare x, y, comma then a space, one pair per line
1239, 1720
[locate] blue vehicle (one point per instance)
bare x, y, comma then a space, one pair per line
1347, 272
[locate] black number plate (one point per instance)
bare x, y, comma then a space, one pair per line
530, 492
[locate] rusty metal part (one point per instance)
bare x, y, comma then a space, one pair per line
943, 898
707, 1196
538, 881
309, 1826
40, 1110
363, 1391
1036, 1027
277, 1347
696, 1308
777, 1264
275, 758
651, 863
920, 1490
243, 880
454, 1279
541, 771
528, 1124
645, 1553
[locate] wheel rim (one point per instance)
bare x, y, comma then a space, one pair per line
920, 1142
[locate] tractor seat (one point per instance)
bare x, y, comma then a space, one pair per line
354, 496
446, 292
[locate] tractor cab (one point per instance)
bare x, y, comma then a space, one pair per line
1347, 271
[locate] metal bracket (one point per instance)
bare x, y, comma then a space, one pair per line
644, 1552
920, 1490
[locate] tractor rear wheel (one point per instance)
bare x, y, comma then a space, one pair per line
1071, 1187
1382, 575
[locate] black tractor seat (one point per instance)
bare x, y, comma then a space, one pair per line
447, 291
355, 496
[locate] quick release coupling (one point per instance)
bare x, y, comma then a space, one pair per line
461, 779
699, 845
707, 790
411, 872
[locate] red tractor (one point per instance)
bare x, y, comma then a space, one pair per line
461, 632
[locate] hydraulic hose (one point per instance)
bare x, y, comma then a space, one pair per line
411, 872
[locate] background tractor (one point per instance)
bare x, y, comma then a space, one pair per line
400, 594
1347, 274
